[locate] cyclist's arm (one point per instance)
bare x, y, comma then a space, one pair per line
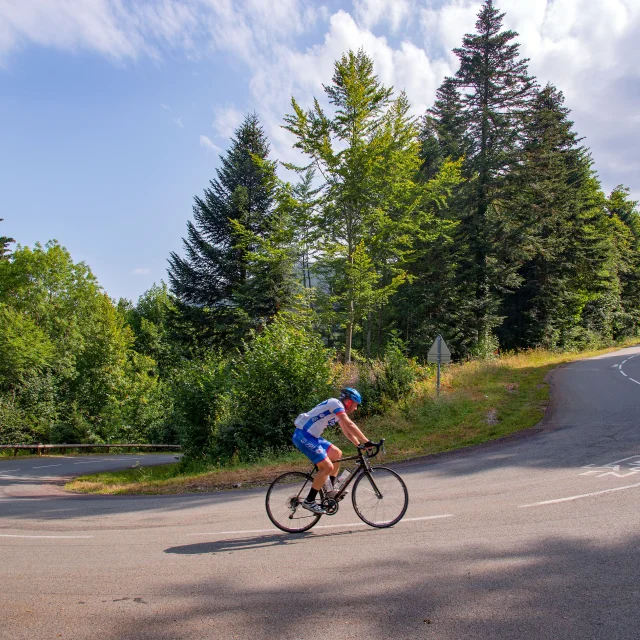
350, 429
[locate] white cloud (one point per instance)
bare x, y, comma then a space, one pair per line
388, 12
141, 271
178, 122
226, 121
587, 48
205, 141
105, 26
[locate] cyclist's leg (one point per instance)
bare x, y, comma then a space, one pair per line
316, 450
334, 454
325, 468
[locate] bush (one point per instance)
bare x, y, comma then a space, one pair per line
74, 430
284, 371
198, 390
387, 380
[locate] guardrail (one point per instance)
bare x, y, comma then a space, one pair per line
40, 449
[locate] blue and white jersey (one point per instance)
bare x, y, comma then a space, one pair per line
319, 418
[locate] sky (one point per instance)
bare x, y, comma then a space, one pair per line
113, 113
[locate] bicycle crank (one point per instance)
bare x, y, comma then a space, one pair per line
330, 505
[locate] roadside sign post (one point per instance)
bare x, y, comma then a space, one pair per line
439, 353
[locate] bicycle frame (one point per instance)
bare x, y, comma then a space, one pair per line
362, 466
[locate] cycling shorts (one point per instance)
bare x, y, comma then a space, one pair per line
315, 448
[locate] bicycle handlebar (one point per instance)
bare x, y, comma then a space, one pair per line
377, 445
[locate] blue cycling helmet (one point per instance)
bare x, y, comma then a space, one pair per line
351, 393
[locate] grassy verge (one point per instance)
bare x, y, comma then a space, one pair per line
479, 401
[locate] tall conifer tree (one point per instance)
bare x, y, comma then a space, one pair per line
544, 196
237, 205
444, 129
625, 218
496, 93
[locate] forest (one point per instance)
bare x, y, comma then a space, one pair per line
482, 220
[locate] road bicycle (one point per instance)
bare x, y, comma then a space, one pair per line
379, 495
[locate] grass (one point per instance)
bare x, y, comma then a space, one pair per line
479, 401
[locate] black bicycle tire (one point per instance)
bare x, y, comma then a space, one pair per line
355, 504
273, 519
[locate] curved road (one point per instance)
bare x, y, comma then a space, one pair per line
535, 537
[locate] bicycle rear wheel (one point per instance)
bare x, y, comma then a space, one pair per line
380, 497
284, 502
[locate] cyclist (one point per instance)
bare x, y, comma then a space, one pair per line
307, 438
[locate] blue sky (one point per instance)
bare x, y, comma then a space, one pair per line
113, 112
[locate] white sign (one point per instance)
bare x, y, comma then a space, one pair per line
439, 350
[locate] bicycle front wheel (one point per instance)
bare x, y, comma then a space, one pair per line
380, 497
284, 502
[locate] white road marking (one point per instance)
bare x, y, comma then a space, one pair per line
623, 373
632, 380
88, 462
48, 465
8, 470
584, 495
322, 526
6, 535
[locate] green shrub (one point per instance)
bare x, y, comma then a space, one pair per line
75, 429
198, 390
387, 380
284, 371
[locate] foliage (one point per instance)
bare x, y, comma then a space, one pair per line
371, 207
284, 371
198, 391
215, 271
385, 381
67, 356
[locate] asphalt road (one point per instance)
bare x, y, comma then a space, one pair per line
536, 537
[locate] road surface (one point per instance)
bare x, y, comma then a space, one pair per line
534, 538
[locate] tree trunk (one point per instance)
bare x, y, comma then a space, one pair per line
347, 351
379, 331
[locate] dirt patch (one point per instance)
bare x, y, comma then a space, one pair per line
492, 417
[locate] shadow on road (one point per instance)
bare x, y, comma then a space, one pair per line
254, 542
549, 589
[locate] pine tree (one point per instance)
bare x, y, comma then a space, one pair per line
624, 218
444, 127
544, 195
4, 245
214, 270
305, 218
496, 92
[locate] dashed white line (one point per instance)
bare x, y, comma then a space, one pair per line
623, 373
632, 380
47, 465
322, 526
583, 495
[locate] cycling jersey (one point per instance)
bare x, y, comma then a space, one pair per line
319, 418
